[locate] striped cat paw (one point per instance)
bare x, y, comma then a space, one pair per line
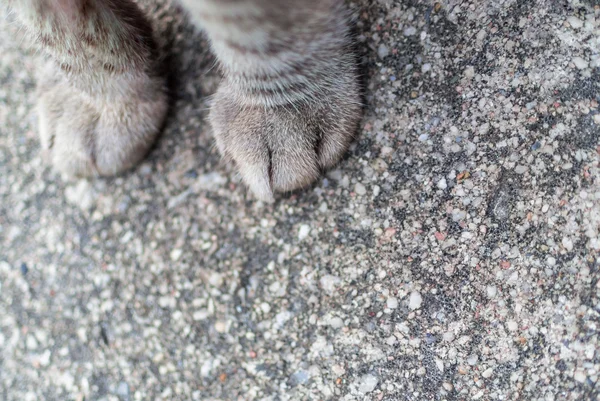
86, 136
283, 148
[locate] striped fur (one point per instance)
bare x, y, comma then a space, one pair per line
287, 108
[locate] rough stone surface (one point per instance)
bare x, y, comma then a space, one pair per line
473, 183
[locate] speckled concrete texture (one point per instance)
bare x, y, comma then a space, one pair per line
453, 254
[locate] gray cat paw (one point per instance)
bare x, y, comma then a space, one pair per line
100, 135
284, 148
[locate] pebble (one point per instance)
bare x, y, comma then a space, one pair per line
176, 254
520, 169
442, 184
360, 189
367, 383
336, 322
512, 325
579, 376
383, 51
580, 63
300, 377
81, 195
221, 326
410, 31
488, 373
567, 243
329, 282
469, 72
392, 303
575, 22
415, 300
491, 291
303, 232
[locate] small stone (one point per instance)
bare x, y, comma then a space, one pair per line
426, 67
336, 322
221, 326
383, 51
487, 373
469, 72
123, 390
300, 377
580, 376
44, 358
392, 303
360, 189
511, 325
415, 300
580, 63
202, 314
596, 118
567, 243
520, 169
303, 232
410, 31
491, 291
442, 184
329, 282
575, 22
265, 307
81, 195
176, 254
367, 383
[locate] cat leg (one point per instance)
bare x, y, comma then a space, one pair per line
289, 103
101, 98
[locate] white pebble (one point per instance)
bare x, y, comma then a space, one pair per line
367, 383
411, 30
469, 72
221, 327
329, 282
442, 184
488, 373
383, 51
82, 195
567, 243
265, 307
580, 63
360, 189
580, 376
336, 322
415, 300
176, 254
575, 22
520, 169
392, 303
512, 325
491, 291
303, 232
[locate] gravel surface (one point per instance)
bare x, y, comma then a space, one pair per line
453, 255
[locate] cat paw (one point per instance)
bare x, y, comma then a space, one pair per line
100, 135
283, 148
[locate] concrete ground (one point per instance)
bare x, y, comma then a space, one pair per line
453, 255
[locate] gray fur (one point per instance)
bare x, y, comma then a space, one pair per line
287, 108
